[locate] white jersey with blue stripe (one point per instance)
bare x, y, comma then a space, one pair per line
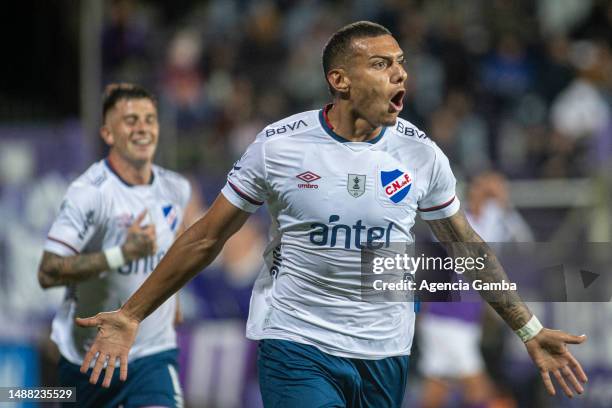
327, 198
97, 210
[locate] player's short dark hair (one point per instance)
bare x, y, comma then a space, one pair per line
339, 44
113, 93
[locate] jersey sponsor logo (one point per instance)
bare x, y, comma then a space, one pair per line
396, 184
308, 177
142, 265
277, 261
409, 131
89, 222
356, 184
235, 166
170, 215
354, 235
234, 169
99, 180
285, 128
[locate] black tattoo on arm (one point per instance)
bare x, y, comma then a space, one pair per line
139, 244
58, 270
55, 270
460, 240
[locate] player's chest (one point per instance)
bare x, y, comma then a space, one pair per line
161, 211
338, 181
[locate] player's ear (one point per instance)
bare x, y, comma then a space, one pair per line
107, 135
339, 80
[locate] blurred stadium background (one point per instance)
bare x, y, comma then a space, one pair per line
520, 87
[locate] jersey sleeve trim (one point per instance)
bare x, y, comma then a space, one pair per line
442, 211
438, 207
63, 243
243, 195
237, 200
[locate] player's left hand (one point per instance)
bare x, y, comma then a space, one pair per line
549, 352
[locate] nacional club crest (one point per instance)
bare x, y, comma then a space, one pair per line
170, 216
356, 184
396, 184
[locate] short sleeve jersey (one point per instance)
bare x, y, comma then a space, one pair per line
328, 197
96, 212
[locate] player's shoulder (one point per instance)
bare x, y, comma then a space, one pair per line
94, 178
172, 181
168, 175
408, 135
408, 132
298, 123
89, 186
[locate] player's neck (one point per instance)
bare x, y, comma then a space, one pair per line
346, 123
131, 173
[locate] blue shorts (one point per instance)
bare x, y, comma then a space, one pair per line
152, 380
297, 375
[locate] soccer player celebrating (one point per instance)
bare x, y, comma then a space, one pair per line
335, 180
117, 221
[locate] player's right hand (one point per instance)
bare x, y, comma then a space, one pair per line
116, 334
140, 241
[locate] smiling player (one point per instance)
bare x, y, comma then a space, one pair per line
116, 222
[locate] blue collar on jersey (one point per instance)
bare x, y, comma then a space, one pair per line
121, 179
330, 130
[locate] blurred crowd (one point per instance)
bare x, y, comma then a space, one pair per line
522, 87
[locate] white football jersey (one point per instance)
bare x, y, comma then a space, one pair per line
327, 198
95, 215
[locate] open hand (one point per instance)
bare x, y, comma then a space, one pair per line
116, 334
549, 352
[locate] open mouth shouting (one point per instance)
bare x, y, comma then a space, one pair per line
396, 103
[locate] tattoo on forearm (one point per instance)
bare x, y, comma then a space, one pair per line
138, 244
58, 270
460, 240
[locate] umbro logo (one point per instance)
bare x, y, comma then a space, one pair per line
308, 177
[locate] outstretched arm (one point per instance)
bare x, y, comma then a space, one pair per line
547, 348
191, 252
455, 231
56, 270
